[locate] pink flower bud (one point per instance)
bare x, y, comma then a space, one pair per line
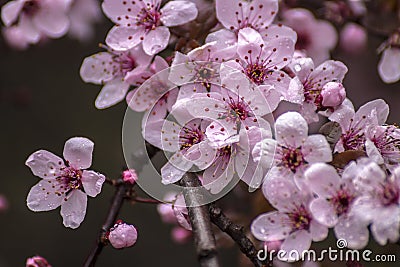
122, 235
3, 204
333, 94
130, 176
180, 235
37, 261
353, 38
167, 213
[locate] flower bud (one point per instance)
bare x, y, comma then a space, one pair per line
130, 176
353, 38
37, 261
180, 235
3, 203
333, 94
122, 235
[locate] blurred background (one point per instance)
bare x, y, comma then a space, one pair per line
43, 102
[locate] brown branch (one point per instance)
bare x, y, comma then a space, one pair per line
199, 217
140, 158
236, 232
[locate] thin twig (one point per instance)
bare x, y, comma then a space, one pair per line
140, 158
236, 232
199, 217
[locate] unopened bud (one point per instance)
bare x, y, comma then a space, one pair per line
333, 94
122, 235
37, 261
353, 38
180, 235
130, 176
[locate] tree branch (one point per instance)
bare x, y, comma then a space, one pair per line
236, 232
140, 158
199, 217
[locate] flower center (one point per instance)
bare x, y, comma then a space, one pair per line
292, 158
354, 138
71, 179
342, 201
390, 193
149, 18
238, 109
300, 218
190, 136
257, 73
30, 7
126, 63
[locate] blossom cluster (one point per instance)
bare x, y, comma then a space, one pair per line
237, 106
30, 21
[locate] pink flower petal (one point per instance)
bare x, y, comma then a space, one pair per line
323, 212
44, 164
316, 149
73, 210
95, 68
52, 22
291, 129
43, 197
123, 38
119, 8
323, 179
78, 152
156, 40
281, 192
271, 226
92, 182
112, 93
176, 13
318, 231
389, 66
28, 29
10, 12
297, 241
352, 230
163, 134
218, 175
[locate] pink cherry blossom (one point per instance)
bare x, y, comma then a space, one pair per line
293, 221
156, 95
237, 104
334, 205
37, 261
258, 15
35, 18
354, 124
310, 81
83, 15
66, 184
380, 200
316, 37
234, 156
290, 153
382, 143
389, 65
198, 71
117, 71
145, 22
262, 62
186, 142
122, 235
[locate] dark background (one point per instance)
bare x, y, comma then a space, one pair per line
43, 102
